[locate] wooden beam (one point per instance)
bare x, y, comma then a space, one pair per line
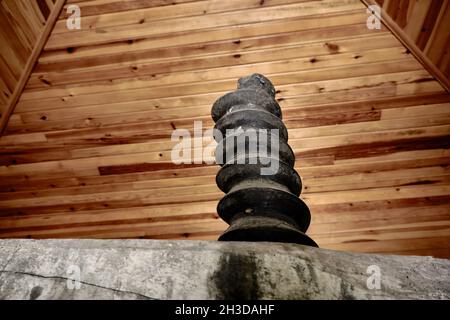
401, 35
30, 64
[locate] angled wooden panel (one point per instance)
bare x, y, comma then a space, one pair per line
24, 28
423, 26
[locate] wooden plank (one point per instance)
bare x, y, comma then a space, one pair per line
29, 65
302, 37
136, 31
20, 22
95, 7
410, 44
8, 76
418, 13
155, 69
359, 180
231, 33
219, 86
157, 13
429, 23
320, 103
315, 127
439, 39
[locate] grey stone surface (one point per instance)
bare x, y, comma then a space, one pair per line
151, 269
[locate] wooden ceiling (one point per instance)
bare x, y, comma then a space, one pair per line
424, 27
22, 24
86, 153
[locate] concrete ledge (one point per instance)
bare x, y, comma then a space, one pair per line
151, 269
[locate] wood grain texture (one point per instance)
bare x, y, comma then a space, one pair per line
424, 27
87, 152
24, 29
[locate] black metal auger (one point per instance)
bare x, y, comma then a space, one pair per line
258, 207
